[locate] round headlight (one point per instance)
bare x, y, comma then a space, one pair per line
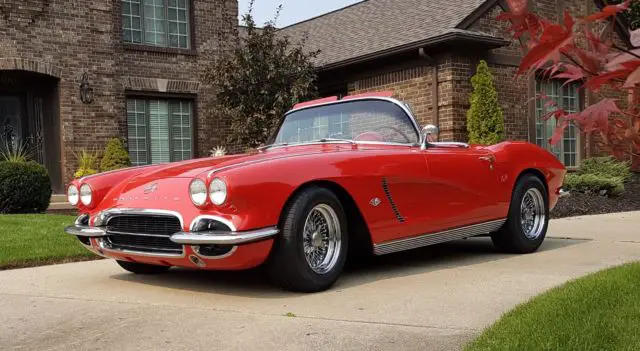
198, 192
85, 194
218, 191
72, 195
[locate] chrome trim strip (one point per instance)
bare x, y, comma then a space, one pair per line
196, 250
214, 218
90, 232
223, 238
448, 143
437, 238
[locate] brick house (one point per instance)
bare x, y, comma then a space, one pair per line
427, 51
75, 73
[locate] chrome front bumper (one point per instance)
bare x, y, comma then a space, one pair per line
191, 238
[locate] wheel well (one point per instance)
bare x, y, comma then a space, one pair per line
535, 172
359, 236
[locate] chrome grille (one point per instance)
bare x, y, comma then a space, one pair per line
144, 233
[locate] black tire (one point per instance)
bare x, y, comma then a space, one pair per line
288, 265
511, 237
141, 268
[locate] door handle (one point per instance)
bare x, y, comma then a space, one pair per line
491, 159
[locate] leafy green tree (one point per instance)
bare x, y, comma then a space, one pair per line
115, 156
485, 121
258, 80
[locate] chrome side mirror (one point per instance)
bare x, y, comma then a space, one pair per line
429, 135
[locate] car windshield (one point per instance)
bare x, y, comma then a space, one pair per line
359, 121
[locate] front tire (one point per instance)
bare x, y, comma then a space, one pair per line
311, 252
141, 268
528, 218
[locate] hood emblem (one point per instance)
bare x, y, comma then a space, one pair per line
151, 188
375, 202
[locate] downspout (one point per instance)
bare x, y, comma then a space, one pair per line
434, 88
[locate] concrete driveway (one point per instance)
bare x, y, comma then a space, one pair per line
428, 299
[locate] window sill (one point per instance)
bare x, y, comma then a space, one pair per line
159, 49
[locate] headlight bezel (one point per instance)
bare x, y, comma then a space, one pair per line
204, 189
84, 188
76, 196
220, 188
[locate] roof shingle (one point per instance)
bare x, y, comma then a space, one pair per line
376, 25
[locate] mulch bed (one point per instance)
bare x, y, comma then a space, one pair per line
579, 204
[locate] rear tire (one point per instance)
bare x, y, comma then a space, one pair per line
528, 218
142, 268
311, 251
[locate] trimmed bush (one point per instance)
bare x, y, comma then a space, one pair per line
606, 166
24, 187
485, 121
115, 156
87, 164
594, 184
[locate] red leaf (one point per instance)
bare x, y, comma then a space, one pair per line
596, 82
608, 11
517, 7
555, 40
596, 44
596, 116
571, 73
522, 23
633, 79
558, 133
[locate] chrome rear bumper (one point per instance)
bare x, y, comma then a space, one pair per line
191, 238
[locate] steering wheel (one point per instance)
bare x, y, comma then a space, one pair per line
406, 138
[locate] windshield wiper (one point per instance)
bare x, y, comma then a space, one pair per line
325, 140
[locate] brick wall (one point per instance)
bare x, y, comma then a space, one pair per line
68, 38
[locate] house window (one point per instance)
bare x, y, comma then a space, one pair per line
163, 23
159, 130
567, 97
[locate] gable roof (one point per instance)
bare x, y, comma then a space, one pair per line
373, 26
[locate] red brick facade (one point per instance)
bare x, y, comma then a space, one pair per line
64, 39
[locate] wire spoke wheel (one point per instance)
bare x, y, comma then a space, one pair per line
532, 213
321, 238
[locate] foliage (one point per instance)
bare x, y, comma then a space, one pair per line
261, 78
596, 312
218, 151
485, 121
28, 240
633, 15
606, 167
115, 156
24, 187
571, 50
15, 152
87, 164
594, 184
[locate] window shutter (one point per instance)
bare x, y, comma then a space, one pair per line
181, 130
137, 131
159, 131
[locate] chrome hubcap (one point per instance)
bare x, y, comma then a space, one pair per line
321, 239
532, 213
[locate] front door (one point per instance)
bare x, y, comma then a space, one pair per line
462, 186
11, 124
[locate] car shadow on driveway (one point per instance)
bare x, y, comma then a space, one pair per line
255, 282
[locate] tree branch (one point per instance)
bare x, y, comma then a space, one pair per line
626, 51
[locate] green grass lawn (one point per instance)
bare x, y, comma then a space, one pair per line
38, 239
598, 312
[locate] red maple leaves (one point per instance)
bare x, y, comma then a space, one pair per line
574, 54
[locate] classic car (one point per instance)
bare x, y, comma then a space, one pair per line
353, 175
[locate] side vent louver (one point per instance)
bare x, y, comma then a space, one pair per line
387, 193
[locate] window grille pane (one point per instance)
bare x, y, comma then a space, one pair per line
159, 131
155, 23
131, 21
178, 24
181, 130
137, 130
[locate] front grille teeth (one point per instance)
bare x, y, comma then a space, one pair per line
144, 233
387, 193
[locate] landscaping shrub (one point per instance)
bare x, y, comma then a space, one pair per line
115, 156
485, 121
87, 164
606, 166
24, 187
594, 184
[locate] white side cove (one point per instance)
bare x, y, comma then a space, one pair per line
437, 238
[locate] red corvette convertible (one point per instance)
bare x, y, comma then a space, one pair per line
352, 175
